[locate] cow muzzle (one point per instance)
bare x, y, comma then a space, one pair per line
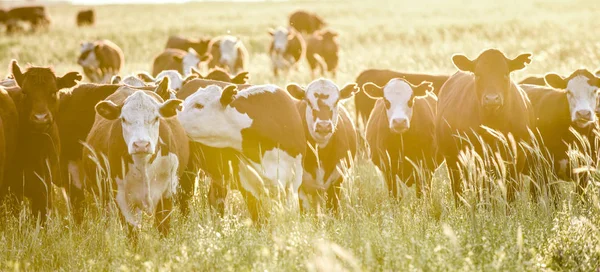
40, 121
399, 125
492, 102
323, 129
583, 118
141, 147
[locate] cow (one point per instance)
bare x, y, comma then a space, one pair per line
191, 86
229, 53
131, 80
481, 94
9, 128
86, 17
322, 52
146, 150
286, 49
36, 16
38, 144
3, 16
253, 136
401, 133
100, 60
220, 74
363, 105
331, 140
181, 43
306, 22
175, 79
178, 60
570, 103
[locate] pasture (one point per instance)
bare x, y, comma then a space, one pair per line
372, 231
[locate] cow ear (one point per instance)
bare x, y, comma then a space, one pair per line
177, 58
372, 90
594, 81
195, 71
228, 95
597, 73
16, 72
170, 108
555, 81
145, 77
271, 31
519, 62
349, 90
68, 80
463, 63
108, 109
116, 79
241, 78
163, 89
296, 91
423, 88
188, 79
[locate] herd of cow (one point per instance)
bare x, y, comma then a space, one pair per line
143, 138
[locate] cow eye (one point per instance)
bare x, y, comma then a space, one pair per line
124, 121
155, 120
387, 104
410, 102
198, 106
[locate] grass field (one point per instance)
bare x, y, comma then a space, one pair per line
372, 231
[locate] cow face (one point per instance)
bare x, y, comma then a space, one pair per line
582, 93
201, 46
281, 36
492, 75
140, 119
399, 97
229, 52
322, 97
87, 56
40, 87
189, 61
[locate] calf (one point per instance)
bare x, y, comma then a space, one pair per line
100, 60
482, 94
322, 52
400, 132
331, 139
146, 148
181, 43
306, 22
228, 52
255, 132
177, 60
221, 75
286, 49
86, 17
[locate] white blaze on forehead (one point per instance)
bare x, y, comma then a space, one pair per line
189, 60
583, 96
398, 93
206, 121
86, 46
229, 53
329, 94
280, 39
175, 79
139, 113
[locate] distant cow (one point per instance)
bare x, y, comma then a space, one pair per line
86, 17
38, 145
147, 150
181, 43
36, 16
221, 75
331, 139
306, 22
228, 52
287, 48
571, 104
482, 94
9, 126
178, 60
322, 52
3, 16
258, 132
401, 133
100, 60
363, 105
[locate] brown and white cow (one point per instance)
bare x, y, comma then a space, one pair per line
178, 60
100, 60
331, 139
286, 49
86, 17
253, 136
228, 52
147, 150
306, 22
482, 94
401, 133
175, 79
322, 52
181, 43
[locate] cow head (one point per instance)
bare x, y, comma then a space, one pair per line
40, 87
130, 80
582, 93
322, 97
229, 50
492, 75
200, 46
140, 119
398, 96
87, 56
281, 36
175, 78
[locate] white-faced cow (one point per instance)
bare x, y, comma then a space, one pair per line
178, 60
228, 52
287, 48
100, 60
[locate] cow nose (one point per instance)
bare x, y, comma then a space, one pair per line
399, 124
324, 128
43, 118
584, 114
492, 99
141, 146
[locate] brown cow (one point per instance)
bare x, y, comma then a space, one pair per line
100, 60
322, 52
401, 132
306, 22
331, 139
9, 127
86, 17
482, 94
36, 16
181, 43
221, 75
363, 105
228, 52
178, 60
287, 48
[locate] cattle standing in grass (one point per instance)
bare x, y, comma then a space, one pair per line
331, 139
86, 17
181, 43
257, 131
482, 94
178, 60
306, 22
287, 48
228, 52
38, 145
570, 105
400, 133
147, 150
36, 16
221, 75
9, 126
322, 52
100, 60
363, 105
